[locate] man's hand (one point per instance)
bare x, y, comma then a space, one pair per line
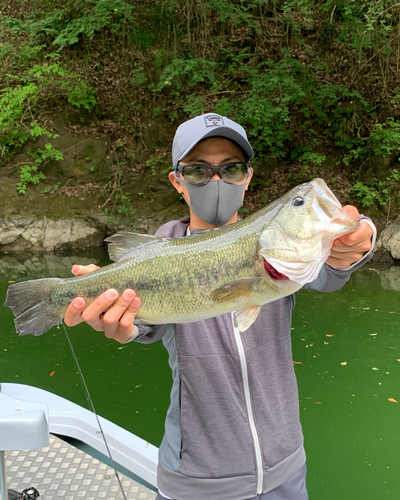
116, 322
351, 247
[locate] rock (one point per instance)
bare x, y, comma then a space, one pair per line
57, 234
28, 234
382, 256
17, 266
149, 225
389, 277
12, 228
389, 240
48, 235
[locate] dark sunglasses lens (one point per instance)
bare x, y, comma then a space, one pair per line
234, 172
196, 174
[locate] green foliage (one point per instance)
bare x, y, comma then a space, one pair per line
194, 105
51, 189
186, 73
383, 141
124, 206
95, 16
152, 163
41, 155
157, 111
269, 96
234, 13
298, 16
142, 38
367, 24
13, 103
30, 174
21, 121
118, 203
224, 107
173, 116
18, 104
310, 157
78, 93
376, 191
273, 88
66, 25
138, 78
171, 59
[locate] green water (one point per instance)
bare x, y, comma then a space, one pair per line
346, 346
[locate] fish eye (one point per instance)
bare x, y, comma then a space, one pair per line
298, 201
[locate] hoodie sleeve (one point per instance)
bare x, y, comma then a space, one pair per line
147, 334
330, 279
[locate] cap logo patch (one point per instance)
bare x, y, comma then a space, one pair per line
213, 121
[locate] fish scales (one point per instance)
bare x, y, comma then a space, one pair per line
209, 264
238, 267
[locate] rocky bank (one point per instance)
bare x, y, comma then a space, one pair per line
33, 235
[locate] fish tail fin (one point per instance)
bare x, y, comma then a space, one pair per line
31, 304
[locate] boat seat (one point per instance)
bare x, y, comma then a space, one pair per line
23, 425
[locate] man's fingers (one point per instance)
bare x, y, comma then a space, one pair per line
73, 315
107, 313
81, 270
361, 238
348, 257
363, 246
338, 263
126, 326
120, 317
352, 211
129, 315
101, 304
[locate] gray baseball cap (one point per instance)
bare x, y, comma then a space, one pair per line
190, 133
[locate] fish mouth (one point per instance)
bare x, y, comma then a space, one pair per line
272, 272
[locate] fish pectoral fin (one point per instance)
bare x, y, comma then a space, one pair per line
122, 243
235, 290
246, 317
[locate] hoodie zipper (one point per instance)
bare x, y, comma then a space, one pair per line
245, 375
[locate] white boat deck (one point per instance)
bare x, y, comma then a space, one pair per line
31, 419
61, 471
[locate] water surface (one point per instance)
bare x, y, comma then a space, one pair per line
346, 350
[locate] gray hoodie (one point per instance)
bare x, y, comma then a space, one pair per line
232, 430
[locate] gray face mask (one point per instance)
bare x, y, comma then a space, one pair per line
215, 202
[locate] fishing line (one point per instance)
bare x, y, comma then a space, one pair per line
89, 399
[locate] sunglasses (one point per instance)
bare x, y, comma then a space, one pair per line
202, 174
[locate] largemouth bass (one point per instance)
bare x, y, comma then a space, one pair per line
239, 267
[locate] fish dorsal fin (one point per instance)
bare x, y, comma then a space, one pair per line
121, 244
235, 290
246, 317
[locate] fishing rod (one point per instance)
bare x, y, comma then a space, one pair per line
91, 405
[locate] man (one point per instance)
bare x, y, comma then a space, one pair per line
232, 431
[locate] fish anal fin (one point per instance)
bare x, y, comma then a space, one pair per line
235, 290
121, 244
246, 317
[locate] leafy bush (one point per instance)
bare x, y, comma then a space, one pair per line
383, 141
186, 73
30, 174
334, 87
67, 24
18, 104
377, 192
